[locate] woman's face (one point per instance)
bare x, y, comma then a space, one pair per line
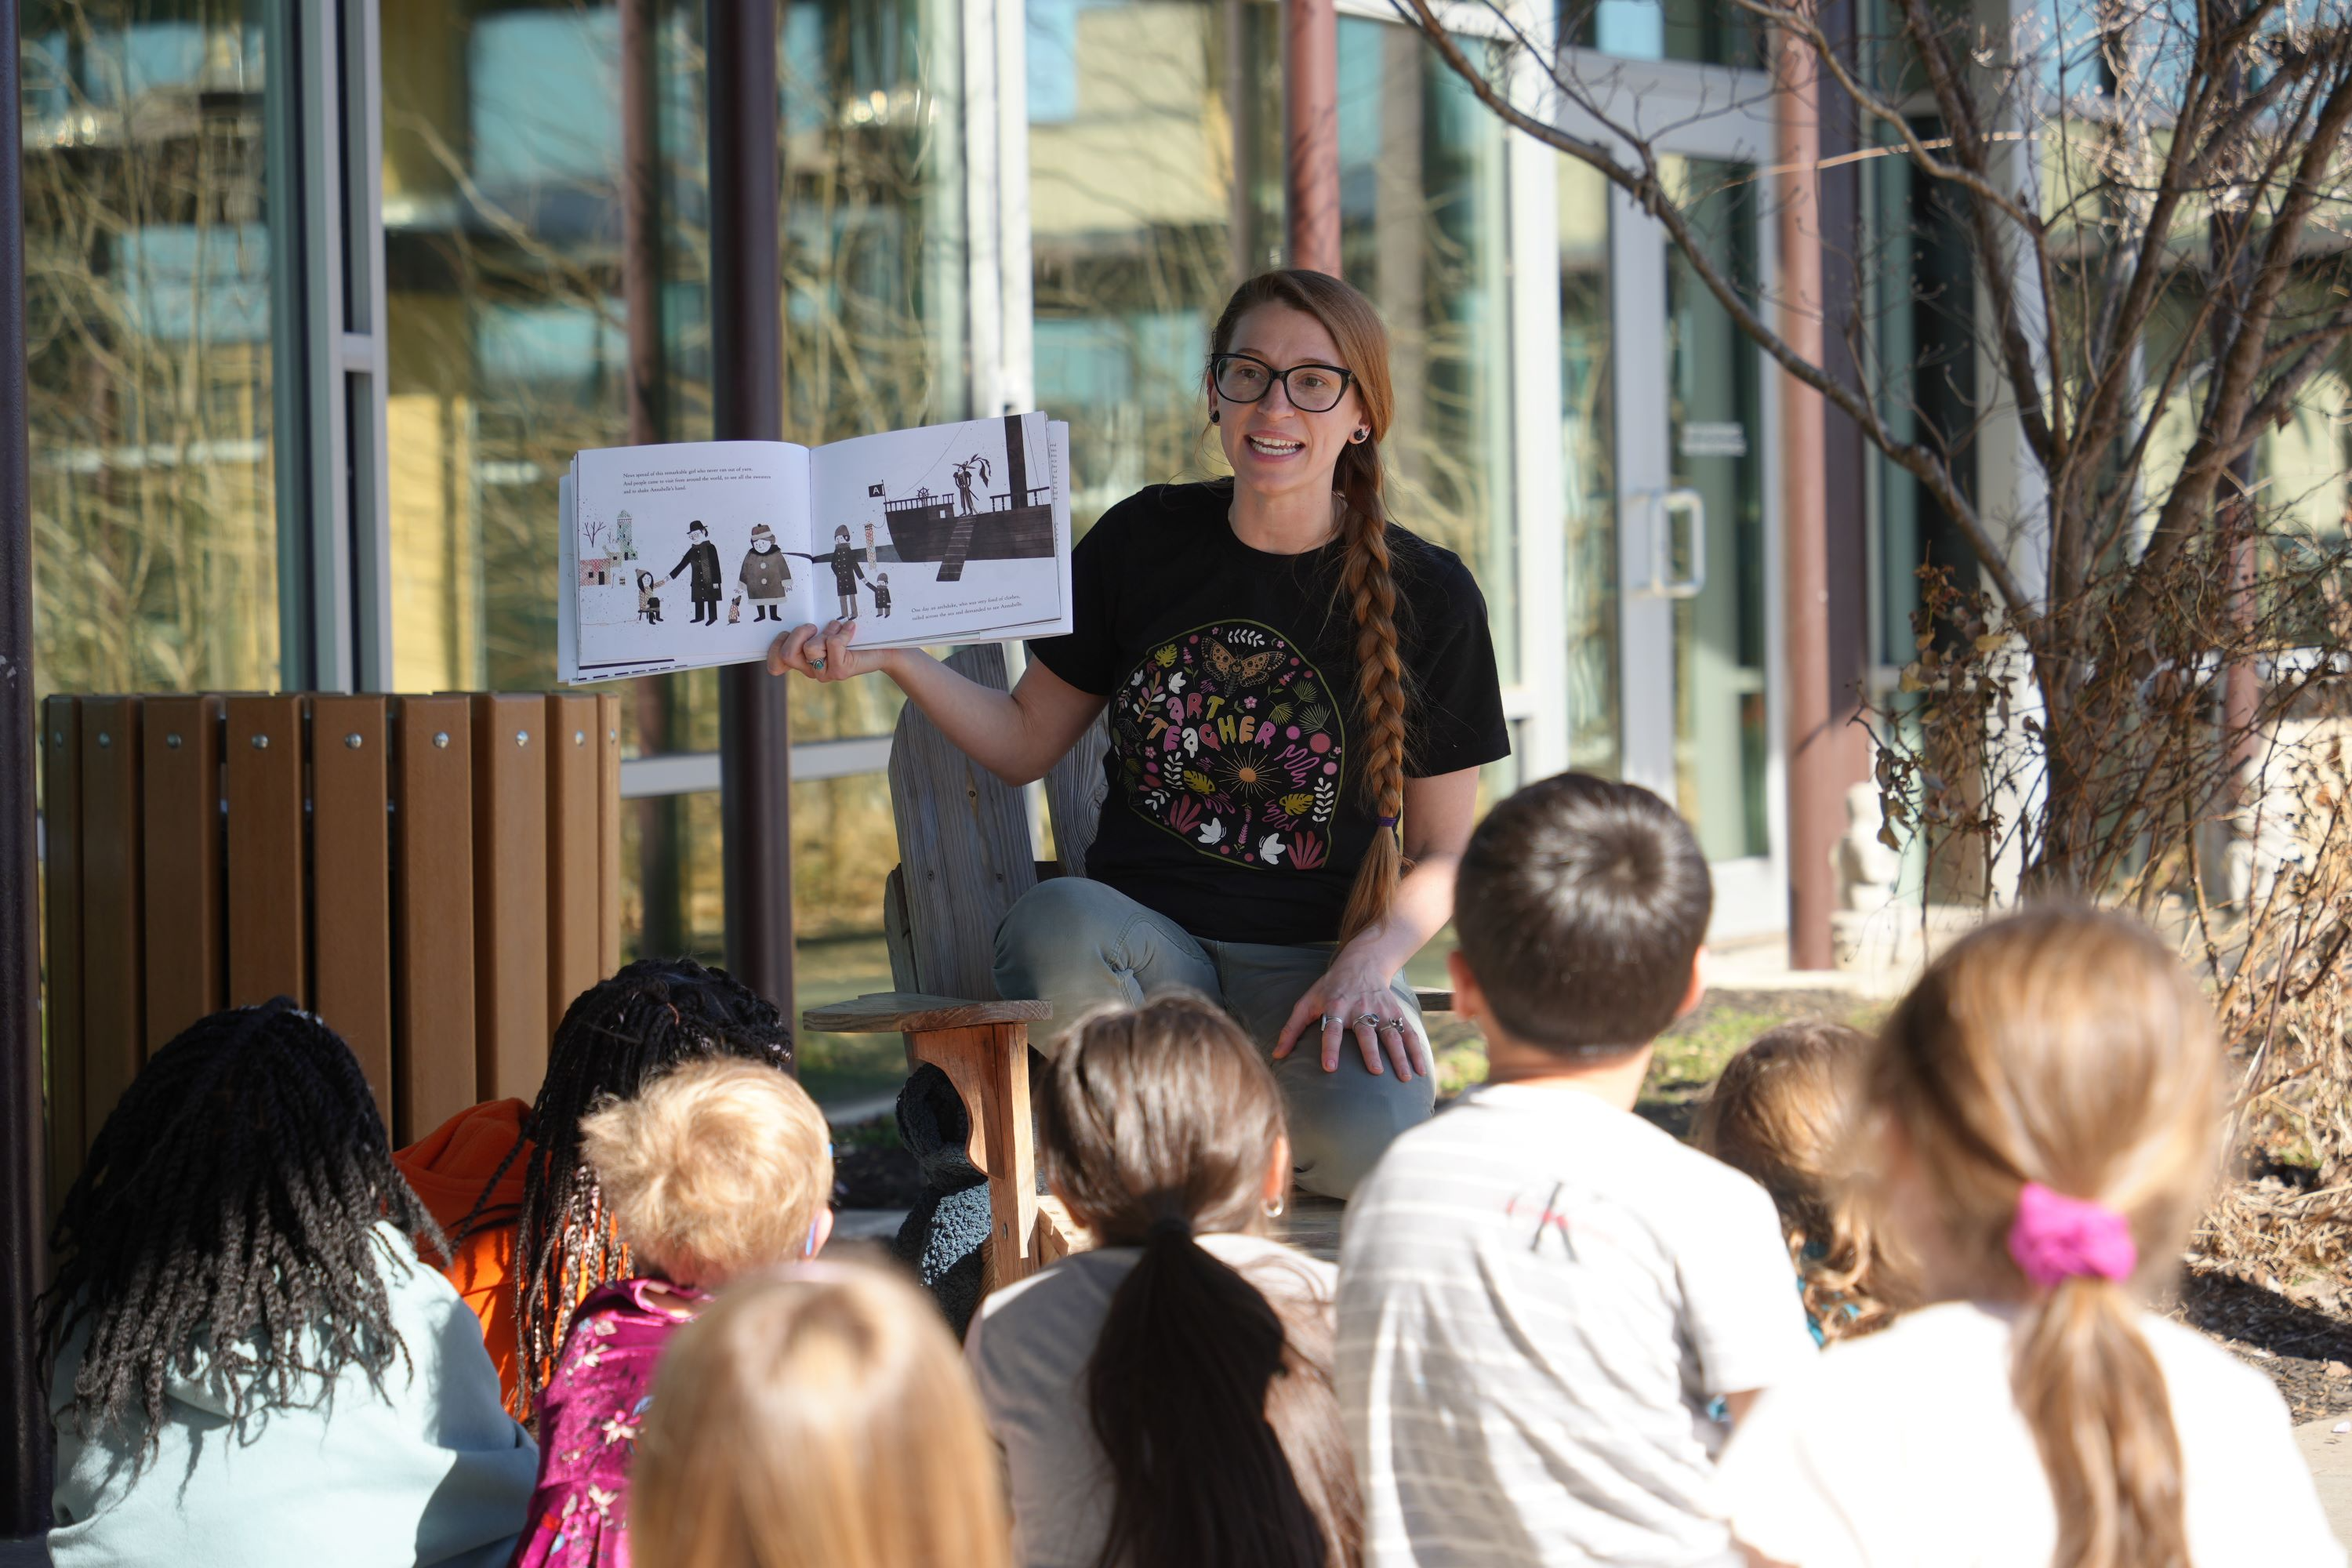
1273, 447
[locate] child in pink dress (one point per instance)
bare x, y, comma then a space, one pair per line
717, 1169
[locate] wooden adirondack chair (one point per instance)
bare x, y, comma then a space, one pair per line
965, 856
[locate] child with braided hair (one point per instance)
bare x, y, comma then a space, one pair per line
248, 1362
530, 1234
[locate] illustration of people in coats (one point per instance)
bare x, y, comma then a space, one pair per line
766, 575
648, 601
847, 570
881, 595
702, 556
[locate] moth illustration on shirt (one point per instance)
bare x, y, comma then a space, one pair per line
1230, 738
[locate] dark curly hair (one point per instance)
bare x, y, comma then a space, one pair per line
229, 1214
616, 1035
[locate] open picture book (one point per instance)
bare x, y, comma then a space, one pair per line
700, 552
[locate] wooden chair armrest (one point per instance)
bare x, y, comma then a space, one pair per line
912, 1012
1433, 1000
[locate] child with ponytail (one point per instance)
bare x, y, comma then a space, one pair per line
2042, 1115
1165, 1400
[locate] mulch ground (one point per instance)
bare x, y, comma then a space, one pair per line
2308, 1353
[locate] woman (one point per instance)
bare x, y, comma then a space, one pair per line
249, 1365
1300, 696
1165, 1399
815, 1417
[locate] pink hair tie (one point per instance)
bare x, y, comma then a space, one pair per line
2056, 1238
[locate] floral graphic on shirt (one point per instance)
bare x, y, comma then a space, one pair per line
1230, 738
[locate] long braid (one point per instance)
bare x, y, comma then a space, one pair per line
226, 1220
1370, 587
615, 1038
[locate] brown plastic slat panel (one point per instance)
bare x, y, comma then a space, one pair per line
267, 948
574, 899
510, 969
434, 1072
61, 880
187, 937
350, 871
608, 838
114, 932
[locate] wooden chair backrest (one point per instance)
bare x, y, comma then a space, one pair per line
435, 876
965, 850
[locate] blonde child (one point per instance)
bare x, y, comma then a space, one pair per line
1778, 1114
818, 1417
2041, 1113
718, 1168
1165, 1400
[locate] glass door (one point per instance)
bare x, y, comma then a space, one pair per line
1696, 625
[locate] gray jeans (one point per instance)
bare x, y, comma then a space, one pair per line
1079, 944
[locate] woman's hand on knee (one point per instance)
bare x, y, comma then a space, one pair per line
1350, 1001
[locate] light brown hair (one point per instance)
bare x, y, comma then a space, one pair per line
818, 1417
2066, 1047
714, 1168
1778, 1113
1366, 572
1213, 1407
1580, 906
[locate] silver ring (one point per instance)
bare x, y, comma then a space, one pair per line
1325, 1020
1374, 1019
816, 664
1396, 1024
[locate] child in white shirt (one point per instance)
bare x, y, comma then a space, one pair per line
2042, 1117
1540, 1293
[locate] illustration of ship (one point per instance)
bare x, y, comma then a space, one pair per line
979, 523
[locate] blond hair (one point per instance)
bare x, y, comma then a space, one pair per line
1778, 1114
818, 1417
2067, 1048
716, 1167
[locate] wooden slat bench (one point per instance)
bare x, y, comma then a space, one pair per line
435, 876
965, 856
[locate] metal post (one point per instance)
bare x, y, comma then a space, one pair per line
25, 1507
747, 398
1816, 804
1310, 112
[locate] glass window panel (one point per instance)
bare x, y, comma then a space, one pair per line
1132, 139
1588, 470
1706, 32
1422, 232
843, 844
147, 298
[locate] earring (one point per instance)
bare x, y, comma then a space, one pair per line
1362, 433
1273, 1209
1212, 417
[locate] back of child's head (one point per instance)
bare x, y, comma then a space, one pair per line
616, 1036
715, 1169
1580, 906
821, 1417
233, 1194
1780, 1113
2055, 1079
1158, 1124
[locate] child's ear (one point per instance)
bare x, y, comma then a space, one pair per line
1278, 1171
1469, 1001
1696, 991
820, 1231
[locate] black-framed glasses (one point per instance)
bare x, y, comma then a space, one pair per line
1311, 388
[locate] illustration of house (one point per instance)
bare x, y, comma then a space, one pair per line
596, 572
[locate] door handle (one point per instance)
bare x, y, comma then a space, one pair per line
1662, 582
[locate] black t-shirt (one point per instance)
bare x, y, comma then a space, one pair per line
1234, 804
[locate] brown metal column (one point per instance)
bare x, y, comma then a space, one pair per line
747, 398
1311, 114
1816, 804
24, 1147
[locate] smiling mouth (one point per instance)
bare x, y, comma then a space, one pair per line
1274, 446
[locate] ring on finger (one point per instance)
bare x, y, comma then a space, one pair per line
1396, 1024
817, 663
1374, 1019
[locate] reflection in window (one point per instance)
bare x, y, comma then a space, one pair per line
1588, 469
1422, 232
1132, 139
147, 299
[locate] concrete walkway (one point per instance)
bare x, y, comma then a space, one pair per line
2328, 1444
